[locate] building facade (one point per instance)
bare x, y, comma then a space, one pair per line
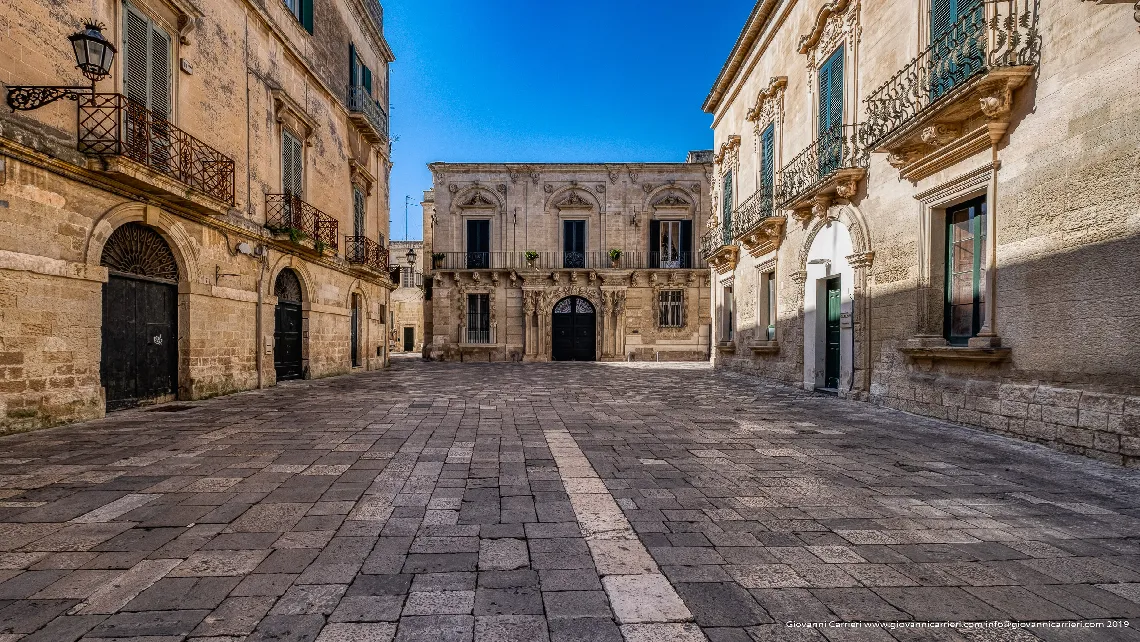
567, 261
407, 310
935, 206
210, 217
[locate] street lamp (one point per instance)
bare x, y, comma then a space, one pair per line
411, 256
93, 57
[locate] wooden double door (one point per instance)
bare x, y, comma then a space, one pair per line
574, 324
140, 340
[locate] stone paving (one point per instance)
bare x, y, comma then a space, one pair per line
554, 502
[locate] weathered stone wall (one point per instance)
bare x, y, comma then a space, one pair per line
1066, 206
242, 73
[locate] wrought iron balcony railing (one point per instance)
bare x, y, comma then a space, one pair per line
629, 260
289, 214
990, 34
715, 239
114, 125
359, 102
362, 250
835, 150
754, 210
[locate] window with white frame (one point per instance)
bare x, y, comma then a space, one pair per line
671, 308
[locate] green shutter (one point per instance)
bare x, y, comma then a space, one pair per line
367, 79
768, 157
307, 14
357, 212
136, 57
160, 68
726, 218
943, 15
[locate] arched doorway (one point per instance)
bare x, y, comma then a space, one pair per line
574, 329
288, 326
139, 357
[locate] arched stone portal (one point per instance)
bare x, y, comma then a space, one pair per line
288, 326
139, 355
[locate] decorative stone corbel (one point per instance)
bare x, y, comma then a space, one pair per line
846, 188
938, 135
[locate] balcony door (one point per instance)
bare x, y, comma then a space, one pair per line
573, 244
957, 49
830, 145
478, 244
671, 244
147, 83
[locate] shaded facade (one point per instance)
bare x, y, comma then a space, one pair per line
576, 262
934, 206
212, 218
407, 310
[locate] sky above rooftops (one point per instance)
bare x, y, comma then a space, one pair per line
518, 81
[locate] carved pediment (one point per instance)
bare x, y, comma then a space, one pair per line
728, 149
768, 102
290, 114
573, 201
478, 200
672, 200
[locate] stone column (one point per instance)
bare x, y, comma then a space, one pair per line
619, 322
861, 322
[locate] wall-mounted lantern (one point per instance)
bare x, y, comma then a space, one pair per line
93, 57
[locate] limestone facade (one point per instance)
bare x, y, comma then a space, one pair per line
963, 242
408, 299
197, 170
508, 244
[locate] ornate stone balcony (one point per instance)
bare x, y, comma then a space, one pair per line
955, 98
718, 248
148, 152
831, 167
757, 225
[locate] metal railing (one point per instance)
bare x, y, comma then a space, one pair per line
478, 327
990, 34
290, 214
836, 149
358, 100
566, 260
364, 251
753, 211
114, 125
715, 239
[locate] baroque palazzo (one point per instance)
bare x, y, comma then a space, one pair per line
935, 206
567, 261
205, 213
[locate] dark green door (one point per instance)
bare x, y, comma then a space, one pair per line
831, 354
409, 339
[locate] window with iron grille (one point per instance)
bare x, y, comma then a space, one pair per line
478, 318
671, 309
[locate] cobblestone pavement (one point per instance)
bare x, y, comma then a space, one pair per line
562, 502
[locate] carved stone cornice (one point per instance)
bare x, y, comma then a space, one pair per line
764, 237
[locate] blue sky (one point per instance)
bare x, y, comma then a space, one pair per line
540, 81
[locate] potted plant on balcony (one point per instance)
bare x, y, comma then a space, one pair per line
531, 258
320, 246
615, 258
437, 260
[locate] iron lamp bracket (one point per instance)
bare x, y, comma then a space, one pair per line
29, 97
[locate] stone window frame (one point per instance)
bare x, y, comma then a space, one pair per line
763, 296
933, 205
836, 25
726, 313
